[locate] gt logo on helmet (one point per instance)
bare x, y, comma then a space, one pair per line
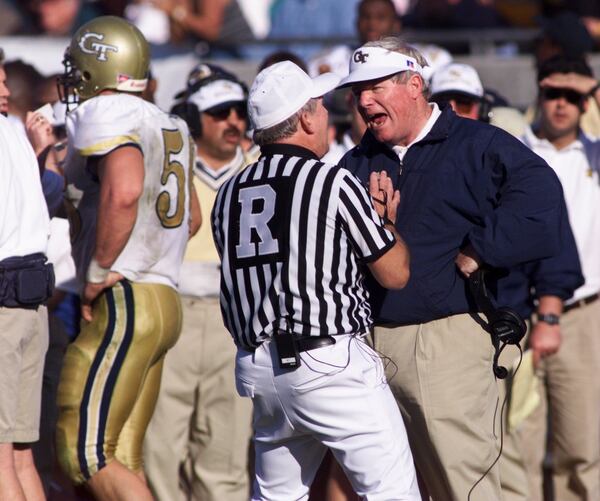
100, 49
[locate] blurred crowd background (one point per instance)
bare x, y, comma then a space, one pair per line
226, 27
498, 37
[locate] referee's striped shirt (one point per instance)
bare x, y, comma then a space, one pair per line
292, 233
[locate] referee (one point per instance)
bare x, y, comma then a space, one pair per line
293, 234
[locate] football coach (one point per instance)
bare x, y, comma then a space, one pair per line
472, 197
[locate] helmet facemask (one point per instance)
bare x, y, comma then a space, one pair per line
67, 83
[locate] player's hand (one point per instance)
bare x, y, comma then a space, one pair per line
39, 131
468, 261
544, 340
92, 291
385, 199
574, 81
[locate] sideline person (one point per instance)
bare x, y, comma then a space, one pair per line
293, 233
472, 196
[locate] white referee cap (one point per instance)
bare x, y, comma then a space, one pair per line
280, 90
371, 63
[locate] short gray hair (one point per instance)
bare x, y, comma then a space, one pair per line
2, 59
396, 44
283, 129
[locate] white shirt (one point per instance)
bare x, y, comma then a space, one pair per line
581, 187
435, 114
338, 150
24, 221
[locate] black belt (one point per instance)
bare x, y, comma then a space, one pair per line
581, 302
307, 343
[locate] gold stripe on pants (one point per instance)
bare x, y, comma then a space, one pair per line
443, 382
111, 377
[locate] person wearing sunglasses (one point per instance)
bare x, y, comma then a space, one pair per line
197, 442
572, 331
458, 85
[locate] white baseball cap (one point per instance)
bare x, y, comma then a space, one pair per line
457, 78
371, 63
280, 90
216, 94
436, 57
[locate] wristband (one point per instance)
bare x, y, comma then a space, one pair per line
548, 318
96, 274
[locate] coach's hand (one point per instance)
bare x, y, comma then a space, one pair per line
467, 261
385, 199
92, 291
544, 340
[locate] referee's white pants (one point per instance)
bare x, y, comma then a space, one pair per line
337, 399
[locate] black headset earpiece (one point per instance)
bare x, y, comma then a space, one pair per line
485, 109
504, 324
190, 114
201, 75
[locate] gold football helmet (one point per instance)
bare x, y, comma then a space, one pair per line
108, 52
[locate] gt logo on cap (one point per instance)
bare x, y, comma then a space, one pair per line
100, 49
360, 57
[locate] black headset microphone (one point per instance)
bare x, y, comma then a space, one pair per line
504, 324
506, 327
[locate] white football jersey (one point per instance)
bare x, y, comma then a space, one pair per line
155, 249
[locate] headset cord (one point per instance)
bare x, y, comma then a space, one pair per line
501, 428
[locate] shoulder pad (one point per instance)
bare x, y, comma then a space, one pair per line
103, 123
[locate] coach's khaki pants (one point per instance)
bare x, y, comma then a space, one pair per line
442, 379
573, 399
197, 443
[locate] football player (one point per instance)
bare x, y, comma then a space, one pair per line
128, 184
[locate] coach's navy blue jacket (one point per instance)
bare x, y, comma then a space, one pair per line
466, 181
559, 275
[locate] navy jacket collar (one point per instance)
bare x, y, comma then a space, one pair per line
439, 132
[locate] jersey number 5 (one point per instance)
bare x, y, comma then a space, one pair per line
170, 218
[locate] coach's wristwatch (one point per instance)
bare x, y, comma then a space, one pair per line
549, 318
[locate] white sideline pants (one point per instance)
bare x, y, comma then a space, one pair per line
337, 399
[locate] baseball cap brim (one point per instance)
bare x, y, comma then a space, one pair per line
217, 93
323, 84
367, 73
372, 63
225, 105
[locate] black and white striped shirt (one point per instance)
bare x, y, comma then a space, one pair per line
292, 233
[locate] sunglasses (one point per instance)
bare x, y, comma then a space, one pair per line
221, 114
462, 103
552, 93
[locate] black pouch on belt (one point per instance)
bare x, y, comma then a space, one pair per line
25, 281
287, 350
